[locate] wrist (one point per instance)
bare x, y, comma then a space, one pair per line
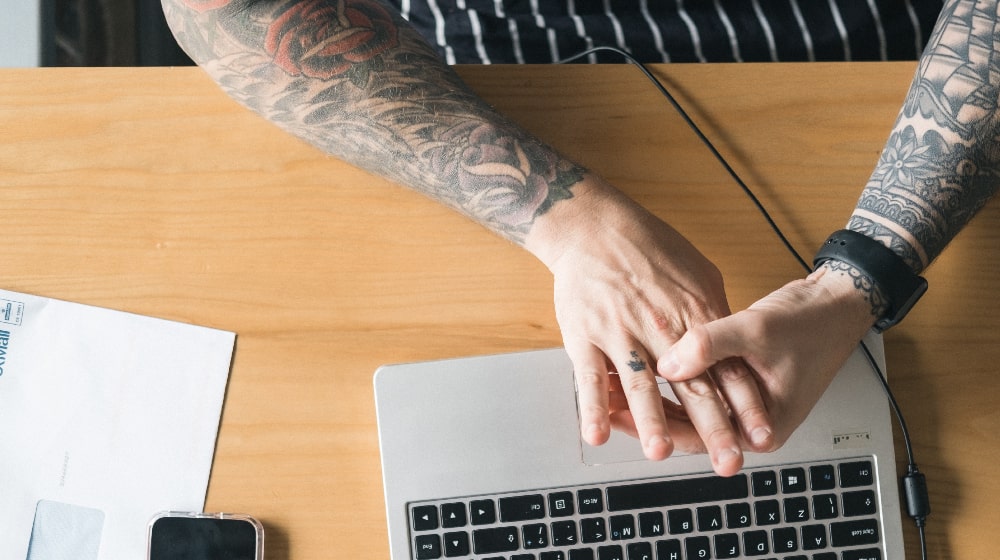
595, 206
856, 298
891, 287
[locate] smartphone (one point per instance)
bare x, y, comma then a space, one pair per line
174, 535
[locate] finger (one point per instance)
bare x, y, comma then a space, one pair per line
742, 393
682, 433
700, 348
590, 370
711, 419
638, 382
620, 415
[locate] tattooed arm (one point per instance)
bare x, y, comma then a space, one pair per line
352, 78
941, 164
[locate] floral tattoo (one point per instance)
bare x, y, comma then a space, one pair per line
351, 78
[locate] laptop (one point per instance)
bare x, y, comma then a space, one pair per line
482, 459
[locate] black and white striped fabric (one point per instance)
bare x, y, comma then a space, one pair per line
545, 31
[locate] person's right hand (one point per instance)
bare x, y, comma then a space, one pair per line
794, 341
627, 286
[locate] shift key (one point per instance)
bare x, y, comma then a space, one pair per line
494, 540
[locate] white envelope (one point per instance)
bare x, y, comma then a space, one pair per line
106, 418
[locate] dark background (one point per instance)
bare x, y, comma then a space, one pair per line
108, 33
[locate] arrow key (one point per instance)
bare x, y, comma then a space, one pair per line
425, 518
456, 544
453, 515
483, 512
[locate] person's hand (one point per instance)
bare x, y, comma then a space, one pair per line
794, 341
626, 288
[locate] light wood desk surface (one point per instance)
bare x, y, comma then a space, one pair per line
148, 190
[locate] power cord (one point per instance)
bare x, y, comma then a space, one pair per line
914, 483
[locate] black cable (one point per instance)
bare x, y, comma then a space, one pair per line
914, 483
701, 136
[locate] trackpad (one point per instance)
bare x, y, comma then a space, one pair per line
622, 448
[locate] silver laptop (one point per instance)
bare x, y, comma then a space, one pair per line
482, 459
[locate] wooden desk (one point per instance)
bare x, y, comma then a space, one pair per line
148, 190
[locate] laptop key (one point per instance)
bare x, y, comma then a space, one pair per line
813, 537
425, 518
428, 547
456, 544
755, 543
793, 480
522, 508
666, 493
825, 506
854, 533
651, 524
768, 512
867, 554
622, 527
483, 512
738, 515
536, 535
856, 473
765, 483
709, 518
822, 477
796, 509
639, 551
453, 515
591, 501
564, 533
680, 521
668, 550
593, 530
613, 552
698, 547
727, 545
859, 503
495, 539
561, 504
785, 539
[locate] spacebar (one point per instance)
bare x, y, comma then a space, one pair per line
668, 493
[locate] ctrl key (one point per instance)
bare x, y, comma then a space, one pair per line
493, 540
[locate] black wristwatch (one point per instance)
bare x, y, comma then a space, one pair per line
897, 281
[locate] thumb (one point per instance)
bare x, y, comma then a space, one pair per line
700, 348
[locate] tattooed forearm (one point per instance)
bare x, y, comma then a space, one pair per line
352, 78
942, 161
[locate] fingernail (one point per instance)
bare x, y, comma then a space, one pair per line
760, 436
657, 447
595, 435
726, 456
668, 364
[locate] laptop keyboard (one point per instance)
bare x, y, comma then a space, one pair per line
819, 511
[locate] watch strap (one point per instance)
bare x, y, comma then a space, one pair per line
900, 285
